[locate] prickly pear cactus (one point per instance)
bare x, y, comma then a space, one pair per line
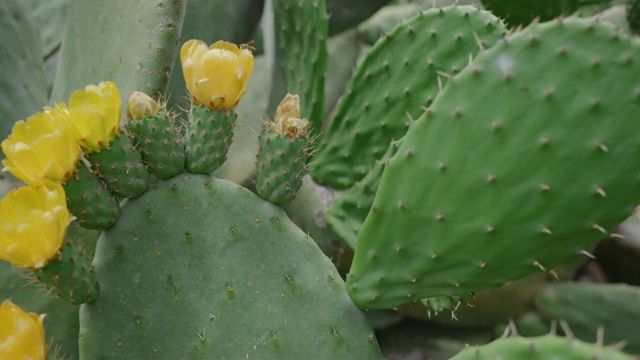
541, 347
230, 277
538, 164
401, 74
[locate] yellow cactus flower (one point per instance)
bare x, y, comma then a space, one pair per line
95, 115
216, 76
33, 224
21, 333
43, 147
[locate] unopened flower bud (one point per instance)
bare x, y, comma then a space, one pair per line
141, 106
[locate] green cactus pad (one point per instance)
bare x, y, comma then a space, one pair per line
347, 214
120, 167
400, 75
132, 43
89, 200
160, 143
209, 135
525, 159
230, 277
70, 276
280, 167
541, 347
301, 37
586, 307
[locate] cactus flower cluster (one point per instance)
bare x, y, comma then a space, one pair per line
44, 152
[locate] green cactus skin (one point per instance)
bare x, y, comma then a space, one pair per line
588, 306
495, 185
120, 167
89, 200
522, 12
301, 38
633, 15
347, 214
101, 35
541, 347
230, 277
346, 14
209, 135
160, 143
280, 167
70, 276
400, 75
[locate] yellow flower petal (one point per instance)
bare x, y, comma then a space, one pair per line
42, 147
216, 76
33, 223
95, 115
21, 333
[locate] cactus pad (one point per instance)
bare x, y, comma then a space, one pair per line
120, 167
525, 159
70, 276
209, 136
90, 201
230, 277
399, 76
280, 167
160, 143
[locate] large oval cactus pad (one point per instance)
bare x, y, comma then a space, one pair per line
527, 157
397, 78
199, 267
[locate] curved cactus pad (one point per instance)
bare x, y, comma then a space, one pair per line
541, 347
399, 76
524, 159
199, 267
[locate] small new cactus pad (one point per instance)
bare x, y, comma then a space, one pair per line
159, 141
346, 216
70, 276
90, 201
209, 135
120, 167
301, 46
586, 307
540, 347
401, 75
283, 153
525, 159
230, 276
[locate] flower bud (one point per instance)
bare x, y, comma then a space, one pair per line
21, 333
43, 147
141, 106
95, 115
33, 224
216, 76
